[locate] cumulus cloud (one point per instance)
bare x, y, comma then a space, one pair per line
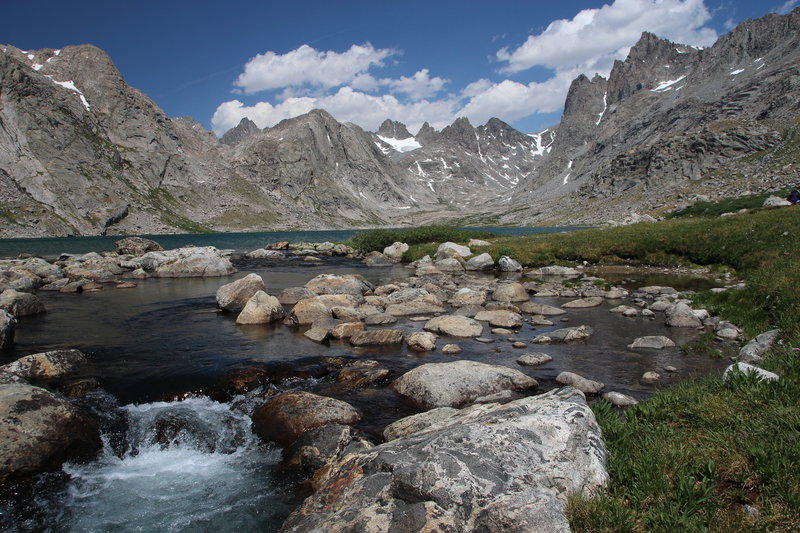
307, 66
418, 86
595, 37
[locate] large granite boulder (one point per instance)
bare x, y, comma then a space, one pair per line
458, 383
487, 468
396, 250
585, 385
8, 326
137, 246
287, 416
483, 261
292, 295
467, 297
44, 366
449, 249
235, 295
754, 351
189, 262
454, 325
681, 315
39, 431
307, 310
261, 308
352, 284
510, 292
507, 264
20, 303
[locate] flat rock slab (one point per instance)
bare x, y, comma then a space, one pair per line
533, 359
45, 366
655, 342
583, 303
376, 337
534, 308
458, 383
574, 334
491, 467
454, 325
287, 416
500, 319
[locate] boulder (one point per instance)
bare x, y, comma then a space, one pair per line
377, 337
8, 326
534, 308
416, 307
573, 334
507, 264
449, 264
377, 259
39, 431
446, 249
510, 292
618, 399
416, 423
137, 246
583, 303
317, 334
655, 342
346, 330
261, 308
20, 303
491, 467
320, 447
533, 359
748, 369
458, 383
261, 253
586, 386
189, 262
421, 341
754, 351
500, 319
234, 296
467, 297
352, 284
408, 294
395, 250
287, 416
360, 373
380, 319
483, 261
681, 315
478, 243
774, 201
292, 295
451, 349
648, 378
454, 326
45, 366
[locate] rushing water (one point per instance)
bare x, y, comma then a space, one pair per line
194, 465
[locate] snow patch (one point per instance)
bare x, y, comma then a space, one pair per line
57, 52
401, 145
31, 57
666, 85
605, 106
566, 178
569, 165
738, 71
37, 66
71, 86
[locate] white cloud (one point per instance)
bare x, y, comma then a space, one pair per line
787, 7
417, 87
595, 37
307, 66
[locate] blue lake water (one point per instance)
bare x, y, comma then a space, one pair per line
53, 246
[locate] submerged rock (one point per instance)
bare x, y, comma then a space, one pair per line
487, 468
574, 334
458, 383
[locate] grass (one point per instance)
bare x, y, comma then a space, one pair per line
730, 205
377, 240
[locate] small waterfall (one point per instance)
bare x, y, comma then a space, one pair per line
192, 465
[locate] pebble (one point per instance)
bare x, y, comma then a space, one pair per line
519, 344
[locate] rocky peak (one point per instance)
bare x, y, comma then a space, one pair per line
244, 129
503, 132
426, 134
462, 133
392, 129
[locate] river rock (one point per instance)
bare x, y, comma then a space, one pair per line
445, 247
292, 295
380, 319
137, 246
507, 264
458, 383
655, 342
681, 315
395, 250
287, 416
620, 400
357, 374
467, 297
533, 359
573, 334
377, 337
454, 326
449, 264
346, 330
45, 366
583, 303
317, 334
748, 369
483, 261
8, 326
192, 261
500, 319
262, 253
416, 423
421, 341
261, 308
587, 386
20, 303
39, 431
234, 296
451, 349
754, 351
510, 292
492, 467
339, 300
19, 280
377, 259
555, 271
650, 377
352, 284
534, 308
307, 311
415, 307
320, 447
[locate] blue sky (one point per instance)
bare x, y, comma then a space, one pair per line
411, 60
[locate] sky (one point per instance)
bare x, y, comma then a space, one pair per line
366, 61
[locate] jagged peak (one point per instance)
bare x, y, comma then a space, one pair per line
393, 129
244, 129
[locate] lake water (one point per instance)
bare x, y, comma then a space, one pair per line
179, 451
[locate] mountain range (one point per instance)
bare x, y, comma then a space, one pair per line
83, 153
